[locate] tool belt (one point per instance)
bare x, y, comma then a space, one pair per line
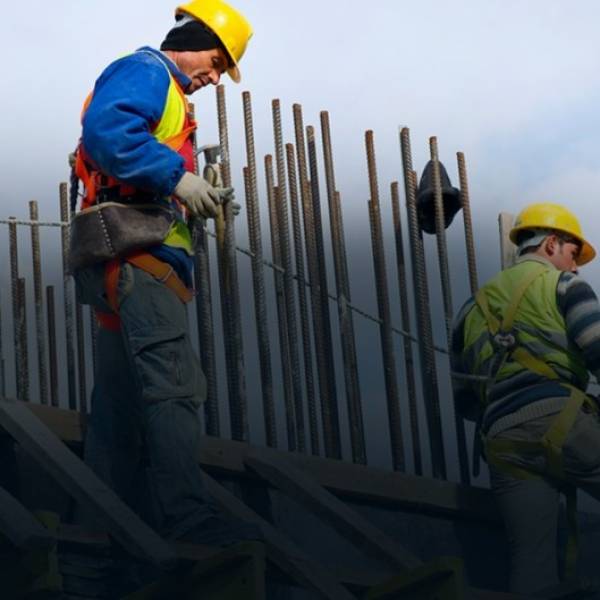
159, 269
113, 229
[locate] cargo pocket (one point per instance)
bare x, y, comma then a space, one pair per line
166, 364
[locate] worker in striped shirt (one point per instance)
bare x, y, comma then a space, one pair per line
522, 351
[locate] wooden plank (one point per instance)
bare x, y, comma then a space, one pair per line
283, 552
81, 483
347, 522
365, 484
226, 574
20, 527
440, 579
346, 480
508, 250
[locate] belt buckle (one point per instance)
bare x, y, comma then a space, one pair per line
168, 274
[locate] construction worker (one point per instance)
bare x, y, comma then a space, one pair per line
135, 159
526, 343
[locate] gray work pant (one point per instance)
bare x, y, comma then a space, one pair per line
143, 433
530, 507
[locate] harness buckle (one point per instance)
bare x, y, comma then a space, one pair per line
504, 340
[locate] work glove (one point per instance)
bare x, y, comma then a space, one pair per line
201, 198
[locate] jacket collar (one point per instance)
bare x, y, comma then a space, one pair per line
535, 258
182, 79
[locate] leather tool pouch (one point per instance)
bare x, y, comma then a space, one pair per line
112, 229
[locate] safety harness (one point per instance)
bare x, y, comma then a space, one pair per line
505, 339
142, 260
96, 183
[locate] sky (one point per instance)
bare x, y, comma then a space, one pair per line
512, 84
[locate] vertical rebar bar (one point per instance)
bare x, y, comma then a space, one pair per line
260, 311
258, 279
346, 323
280, 302
426, 349
323, 287
409, 366
466, 206
288, 276
326, 389
383, 301
22, 325
234, 350
309, 382
53, 363
440, 235
39, 302
94, 338
68, 297
204, 314
14, 288
442, 247
81, 375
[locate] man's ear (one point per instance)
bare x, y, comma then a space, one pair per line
551, 244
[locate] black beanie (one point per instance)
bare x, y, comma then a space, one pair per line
191, 35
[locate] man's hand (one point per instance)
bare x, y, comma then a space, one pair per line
201, 198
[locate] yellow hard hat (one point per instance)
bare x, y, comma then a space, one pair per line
227, 23
545, 215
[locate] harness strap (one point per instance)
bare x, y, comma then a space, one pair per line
159, 269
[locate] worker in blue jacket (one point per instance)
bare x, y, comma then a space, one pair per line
131, 255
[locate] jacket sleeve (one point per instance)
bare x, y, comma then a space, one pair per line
579, 306
128, 99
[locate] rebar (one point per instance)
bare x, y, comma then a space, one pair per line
234, 349
326, 379
409, 366
81, 375
309, 381
22, 326
68, 297
53, 363
383, 302
442, 247
425, 335
258, 277
323, 287
280, 303
346, 324
39, 308
14, 287
204, 314
94, 338
288, 279
466, 207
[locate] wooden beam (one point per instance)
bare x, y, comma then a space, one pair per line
20, 527
508, 250
283, 552
347, 522
365, 483
226, 574
82, 484
346, 480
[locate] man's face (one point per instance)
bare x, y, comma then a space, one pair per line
563, 253
203, 67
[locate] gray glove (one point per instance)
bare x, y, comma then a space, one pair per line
201, 198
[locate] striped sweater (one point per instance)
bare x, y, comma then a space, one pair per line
528, 395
